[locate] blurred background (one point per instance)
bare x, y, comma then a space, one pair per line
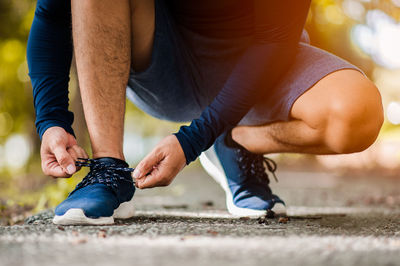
364, 32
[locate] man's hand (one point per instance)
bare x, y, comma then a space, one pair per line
161, 165
59, 151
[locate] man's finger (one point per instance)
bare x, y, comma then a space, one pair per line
146, 165
73, 153
55, 170
81, 152
154, 179
159, 176
74, 156
65, 160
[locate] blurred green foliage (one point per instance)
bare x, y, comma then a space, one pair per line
15, 92
327, 24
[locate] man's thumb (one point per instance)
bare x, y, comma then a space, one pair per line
145, 166
65, 160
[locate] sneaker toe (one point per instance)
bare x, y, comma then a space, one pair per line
95, 201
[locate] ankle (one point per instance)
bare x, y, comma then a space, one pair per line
241, 138
116, 155
236, 136
230, 142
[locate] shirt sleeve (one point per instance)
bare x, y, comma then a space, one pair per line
49, 55
277, 30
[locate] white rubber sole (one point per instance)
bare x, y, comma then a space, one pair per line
213, 167
78, 217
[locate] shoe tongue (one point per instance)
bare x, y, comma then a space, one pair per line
111, 160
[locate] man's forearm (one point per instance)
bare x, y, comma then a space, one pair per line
49, 55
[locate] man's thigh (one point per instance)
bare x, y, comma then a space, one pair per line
341, 95
143, 27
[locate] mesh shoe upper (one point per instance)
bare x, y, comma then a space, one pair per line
246, 175
101, 191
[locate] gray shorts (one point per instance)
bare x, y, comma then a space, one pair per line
187, 70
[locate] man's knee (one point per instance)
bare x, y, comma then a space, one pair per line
354, 119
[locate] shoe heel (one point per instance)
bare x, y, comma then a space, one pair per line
125, 210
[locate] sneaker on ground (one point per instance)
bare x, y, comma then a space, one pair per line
243, 177
104, 194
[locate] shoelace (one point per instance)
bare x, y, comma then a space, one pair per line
103, 173
255, 165
93, 163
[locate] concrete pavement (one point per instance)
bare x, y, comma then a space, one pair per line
334, 220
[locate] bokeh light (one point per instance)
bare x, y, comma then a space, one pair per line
17, 151
393, 113
379, 37
353, 9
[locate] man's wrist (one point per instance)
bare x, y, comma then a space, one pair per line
190, 155
43, 127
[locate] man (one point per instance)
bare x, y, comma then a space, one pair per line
241, 70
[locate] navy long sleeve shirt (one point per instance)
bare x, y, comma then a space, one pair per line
49, 55
276, 30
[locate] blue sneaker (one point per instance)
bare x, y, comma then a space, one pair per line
243, 176
103, 195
